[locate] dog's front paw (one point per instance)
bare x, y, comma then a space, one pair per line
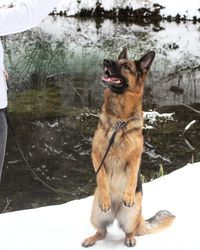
105, 202
128, 199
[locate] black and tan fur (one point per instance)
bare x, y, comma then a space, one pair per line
119, 190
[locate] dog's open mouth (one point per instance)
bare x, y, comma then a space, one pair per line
110, 80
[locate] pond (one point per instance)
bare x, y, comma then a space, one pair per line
55, 95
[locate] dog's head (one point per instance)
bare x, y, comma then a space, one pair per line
126, 74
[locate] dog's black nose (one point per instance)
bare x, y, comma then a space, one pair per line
107, 63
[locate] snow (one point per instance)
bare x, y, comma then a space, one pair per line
85, 4
189, 125
154, 115
71, 7
171, 7
65, 226
182, 36
185, 7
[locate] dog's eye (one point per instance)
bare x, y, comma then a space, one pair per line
126, 66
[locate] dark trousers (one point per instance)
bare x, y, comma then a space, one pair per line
3, 138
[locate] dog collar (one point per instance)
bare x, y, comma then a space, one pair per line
120, 124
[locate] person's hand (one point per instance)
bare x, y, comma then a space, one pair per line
6, 74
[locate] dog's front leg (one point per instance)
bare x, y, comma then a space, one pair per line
102, 191
132, 169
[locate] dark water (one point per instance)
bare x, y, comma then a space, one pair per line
54, 87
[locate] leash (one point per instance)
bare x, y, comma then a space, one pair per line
116, 128
9, 122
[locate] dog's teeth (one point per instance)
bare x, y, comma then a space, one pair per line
118, 81
107, 71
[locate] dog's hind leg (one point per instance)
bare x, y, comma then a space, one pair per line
100, 221
129, 218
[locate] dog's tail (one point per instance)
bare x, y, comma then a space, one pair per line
158, 222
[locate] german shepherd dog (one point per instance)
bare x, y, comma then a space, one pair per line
119, 188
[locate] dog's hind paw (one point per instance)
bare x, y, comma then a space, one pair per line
92, 240
88, 242
130, 241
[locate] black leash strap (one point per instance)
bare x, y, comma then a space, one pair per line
24, 159
119, 125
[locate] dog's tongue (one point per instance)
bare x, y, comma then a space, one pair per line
111, 79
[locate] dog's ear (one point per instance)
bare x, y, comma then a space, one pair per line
123, 54
145, 62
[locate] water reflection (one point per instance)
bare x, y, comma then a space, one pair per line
55, 70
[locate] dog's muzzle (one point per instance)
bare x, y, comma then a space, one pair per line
117, 84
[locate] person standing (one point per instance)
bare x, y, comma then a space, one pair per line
19, 18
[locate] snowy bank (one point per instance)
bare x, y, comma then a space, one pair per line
65, 226
143, 8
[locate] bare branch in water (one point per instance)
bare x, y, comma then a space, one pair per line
7, 205
193, 109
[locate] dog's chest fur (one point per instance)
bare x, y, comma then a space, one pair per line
125, 144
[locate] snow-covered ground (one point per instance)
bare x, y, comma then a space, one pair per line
65, 226
171, 7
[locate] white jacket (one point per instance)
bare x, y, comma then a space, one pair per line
24, 16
